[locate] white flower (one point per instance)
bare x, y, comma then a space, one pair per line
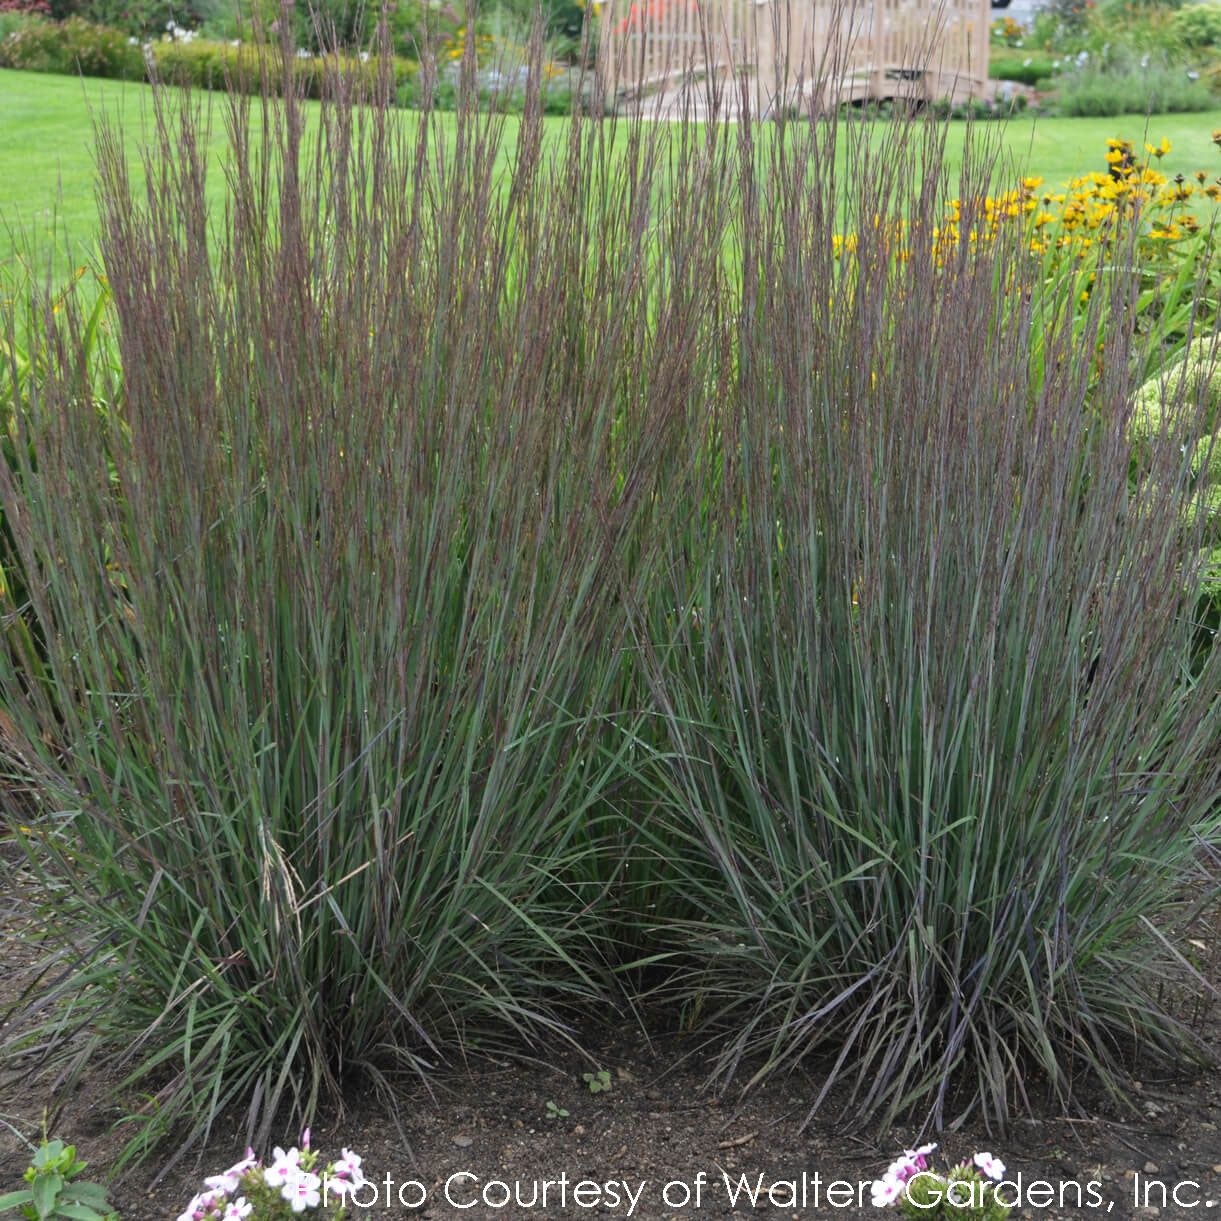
364, 57
302, 53
348, 1167
284, 1166
237, 1209
885, 1191
189, 1212
902, 1168
991, 1166
225, 1183
302, 1192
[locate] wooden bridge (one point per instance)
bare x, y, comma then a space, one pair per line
772, 53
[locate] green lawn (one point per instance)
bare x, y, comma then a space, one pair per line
46, 162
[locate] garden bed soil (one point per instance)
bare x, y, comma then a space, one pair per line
493, 1122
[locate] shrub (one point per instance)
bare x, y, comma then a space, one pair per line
977, 109
247, 68
33, 7
76, 46
416, 27
141, 19
1093, 91
1031, 68
55, 9
73, 46
1198, 25
14, 20
1070, 15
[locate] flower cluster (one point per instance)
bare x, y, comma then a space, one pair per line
1079, 227
455, 46
1008, 31
967, 1192
176, 33
291, 1186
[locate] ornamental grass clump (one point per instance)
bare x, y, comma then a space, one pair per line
323, 731
939, 766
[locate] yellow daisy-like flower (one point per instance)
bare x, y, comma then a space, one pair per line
1160, 150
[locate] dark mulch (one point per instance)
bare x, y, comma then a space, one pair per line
489, 1123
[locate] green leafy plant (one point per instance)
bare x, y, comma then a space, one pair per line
52, 1194
555, 1111
599, 1082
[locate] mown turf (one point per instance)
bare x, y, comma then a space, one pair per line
47, 167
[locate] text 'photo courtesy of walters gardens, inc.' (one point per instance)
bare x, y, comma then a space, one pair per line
718, 1192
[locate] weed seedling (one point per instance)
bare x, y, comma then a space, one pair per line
599, 1082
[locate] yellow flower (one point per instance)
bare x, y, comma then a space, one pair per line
1161, 150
